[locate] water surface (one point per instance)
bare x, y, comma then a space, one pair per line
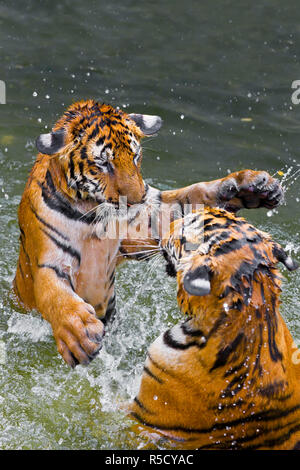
204, 69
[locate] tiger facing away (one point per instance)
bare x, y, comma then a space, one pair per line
227, 377
66, 266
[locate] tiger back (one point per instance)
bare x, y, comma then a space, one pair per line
228, 376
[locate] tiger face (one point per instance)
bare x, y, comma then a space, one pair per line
99, 150
215, 256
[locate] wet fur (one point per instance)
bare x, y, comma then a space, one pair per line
228, 376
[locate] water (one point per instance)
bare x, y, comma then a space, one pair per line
221, 79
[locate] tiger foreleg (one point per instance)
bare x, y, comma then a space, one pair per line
77, 331
246, 189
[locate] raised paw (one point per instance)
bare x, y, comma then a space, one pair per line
249, 189
79, 336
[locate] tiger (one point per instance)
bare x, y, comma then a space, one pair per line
85, 165
227, 376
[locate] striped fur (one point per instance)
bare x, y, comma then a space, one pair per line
226, 377
66, 266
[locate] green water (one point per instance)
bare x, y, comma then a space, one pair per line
203, 66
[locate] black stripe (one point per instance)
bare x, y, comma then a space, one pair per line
238, 382
227, 406
153, 376
227, 247
143, 407
20, 269
100, 141
233, 370
277, 441
272, 389
181, 209
217, 324
275, 354
208, 228
264, 416
216, 237
40, 219
155, 363
250, 437
67, 249
28, 262
111, 279
94, 132
257, 365
134, 217
171, 343
55, 201
110, 310
190, 332
296, 446
59, 273
83, 153
110, 168
17, 289
71, 165
24, 249
81, 169
224, 353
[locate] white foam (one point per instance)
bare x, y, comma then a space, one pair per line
29, 327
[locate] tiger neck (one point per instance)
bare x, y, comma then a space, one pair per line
242, 336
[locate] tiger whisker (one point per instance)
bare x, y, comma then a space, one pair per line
152, 247
90, 211
146, 275
149, 252
155, 260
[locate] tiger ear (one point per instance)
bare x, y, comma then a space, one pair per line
197, 282
284, 258
149, 125
51, 143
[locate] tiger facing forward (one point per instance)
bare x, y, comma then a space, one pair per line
225, 377
66, 266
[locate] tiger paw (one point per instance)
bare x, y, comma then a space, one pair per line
79, 336
250, 189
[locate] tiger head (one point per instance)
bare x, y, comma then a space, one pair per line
98, 149
216, 256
